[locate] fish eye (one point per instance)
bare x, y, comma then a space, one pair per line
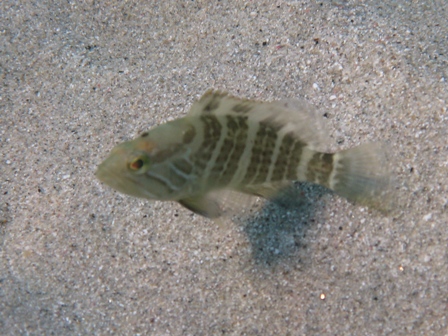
139, 164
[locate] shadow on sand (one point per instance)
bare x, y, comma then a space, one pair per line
277, 231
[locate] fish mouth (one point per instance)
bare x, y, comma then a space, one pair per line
108, 176
120, 182
103, 174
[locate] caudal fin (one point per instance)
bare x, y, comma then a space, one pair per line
362, 175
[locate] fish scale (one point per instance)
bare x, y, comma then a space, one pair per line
252, 147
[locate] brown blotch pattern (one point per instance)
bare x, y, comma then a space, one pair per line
242, 107
222, 157
262, 152
189, 134
226, 147
313, 165
237, 136
272, 123
294, 160
162, 155
319, 168
146, 146
212, 133
281, 164
213, 104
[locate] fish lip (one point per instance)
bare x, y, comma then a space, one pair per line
105, 175
120, 184
101, 171
110, 179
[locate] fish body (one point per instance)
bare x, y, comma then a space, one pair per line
251, 147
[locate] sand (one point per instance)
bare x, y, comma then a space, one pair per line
78, 258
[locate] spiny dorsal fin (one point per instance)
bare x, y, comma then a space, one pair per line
292, 115
221, 103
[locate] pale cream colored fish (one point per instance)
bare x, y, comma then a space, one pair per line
227, 143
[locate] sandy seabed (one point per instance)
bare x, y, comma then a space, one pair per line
78, 258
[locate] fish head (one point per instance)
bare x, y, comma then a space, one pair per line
143, 167
124, 170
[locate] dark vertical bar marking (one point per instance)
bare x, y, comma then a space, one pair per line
294, 160
238, 132
281, 164
319, 168
262, 152
212, 133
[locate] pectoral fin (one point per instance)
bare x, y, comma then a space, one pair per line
267, 190
202, 205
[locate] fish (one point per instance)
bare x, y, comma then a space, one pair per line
250, 147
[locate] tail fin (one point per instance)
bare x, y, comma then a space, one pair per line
362, 175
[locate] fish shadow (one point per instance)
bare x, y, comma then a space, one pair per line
277, 232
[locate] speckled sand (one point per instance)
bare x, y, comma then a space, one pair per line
78, 258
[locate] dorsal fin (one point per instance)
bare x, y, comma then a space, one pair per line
292, 115
221, 103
